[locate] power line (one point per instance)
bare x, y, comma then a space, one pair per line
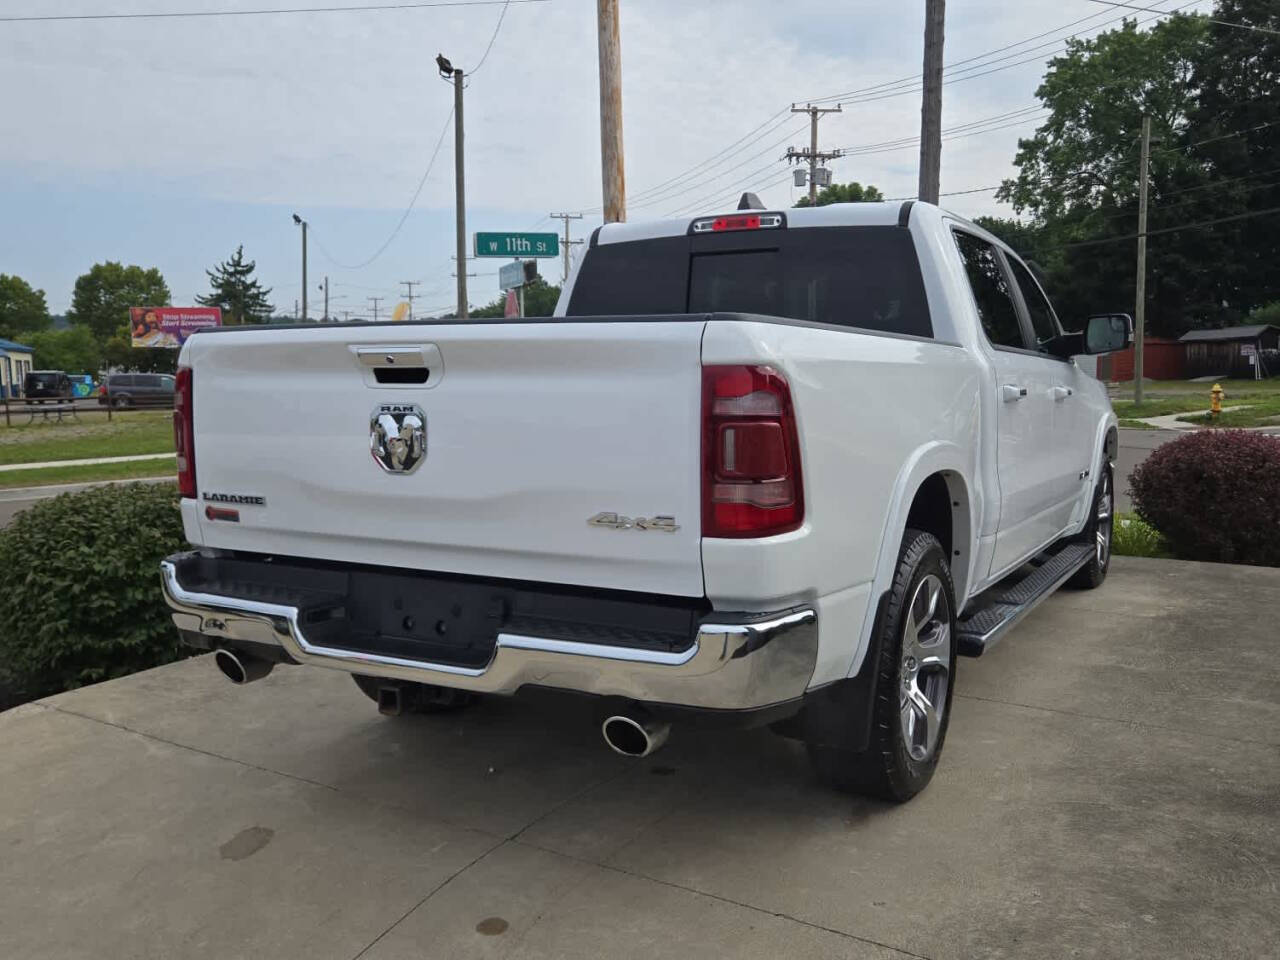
175, 14
886, 93
1224, 23
407, 210
1175, 229
485, 56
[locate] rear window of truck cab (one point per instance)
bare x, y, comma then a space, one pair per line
864, 277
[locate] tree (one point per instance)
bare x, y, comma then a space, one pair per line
103, 296
73, 350
119, 353
1238, 114
843, 193
540, 300
22, 309
241, 297
1078, 175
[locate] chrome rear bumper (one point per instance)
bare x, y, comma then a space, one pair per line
735, 663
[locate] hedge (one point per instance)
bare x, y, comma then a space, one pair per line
79, 588
1214, 495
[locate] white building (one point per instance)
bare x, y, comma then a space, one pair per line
15, 364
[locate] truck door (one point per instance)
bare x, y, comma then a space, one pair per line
1027, 462
1072, 424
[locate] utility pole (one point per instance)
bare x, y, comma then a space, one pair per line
303, 224
346, 315
326, 300
931, 102
295, 308
1140, 306
812, 155
375, 301
566, 217
612, 172
448, 71
409, 296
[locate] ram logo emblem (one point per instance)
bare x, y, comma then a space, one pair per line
398, 436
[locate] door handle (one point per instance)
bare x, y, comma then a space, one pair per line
1012, 393
1061, 393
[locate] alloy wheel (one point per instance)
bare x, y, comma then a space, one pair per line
1103, 522
926, 667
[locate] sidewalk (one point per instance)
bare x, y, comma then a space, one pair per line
84, 463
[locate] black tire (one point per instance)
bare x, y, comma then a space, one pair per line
121, 403
1098, 531
893, 766
417, 697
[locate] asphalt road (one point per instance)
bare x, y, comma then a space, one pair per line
1135, 446
1110, 788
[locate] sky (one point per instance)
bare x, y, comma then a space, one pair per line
169, 142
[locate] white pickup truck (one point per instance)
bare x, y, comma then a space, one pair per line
762, 467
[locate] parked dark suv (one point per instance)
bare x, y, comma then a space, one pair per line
137, 390
42, 385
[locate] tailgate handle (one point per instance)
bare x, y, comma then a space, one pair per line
391, 356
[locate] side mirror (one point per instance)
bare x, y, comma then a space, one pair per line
1107, 333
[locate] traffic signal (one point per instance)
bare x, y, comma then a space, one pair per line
530, 271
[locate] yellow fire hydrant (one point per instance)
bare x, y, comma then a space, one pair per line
1215, 400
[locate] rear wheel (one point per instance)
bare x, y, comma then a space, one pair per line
1097, 532
414, 697
914, 682
121, 402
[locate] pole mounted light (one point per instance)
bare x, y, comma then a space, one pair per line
303, 224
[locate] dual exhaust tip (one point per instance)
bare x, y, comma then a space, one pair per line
633, 734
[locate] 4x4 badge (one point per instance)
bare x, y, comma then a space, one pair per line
662, 522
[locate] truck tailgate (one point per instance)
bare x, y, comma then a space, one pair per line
531, 428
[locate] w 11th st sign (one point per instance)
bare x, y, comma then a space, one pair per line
517, 245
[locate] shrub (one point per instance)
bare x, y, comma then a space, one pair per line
1134, 537
79, 588
1214, 495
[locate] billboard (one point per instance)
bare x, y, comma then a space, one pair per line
169, 326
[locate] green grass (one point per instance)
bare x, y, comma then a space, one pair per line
1134, 537
142, 431
1136, 424
39, 476
1172, 404
1260, 414
1156, 387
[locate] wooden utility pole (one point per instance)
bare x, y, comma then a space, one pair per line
931, 103
409, 296
375, 301
1140, 304
612, 173
813, 155
326, 300
566, 217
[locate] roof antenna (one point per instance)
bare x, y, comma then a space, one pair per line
750, 201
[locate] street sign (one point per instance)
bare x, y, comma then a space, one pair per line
517, 245
511, 275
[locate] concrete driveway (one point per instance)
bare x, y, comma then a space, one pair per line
1111, 788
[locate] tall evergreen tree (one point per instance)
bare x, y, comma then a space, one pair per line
241, 297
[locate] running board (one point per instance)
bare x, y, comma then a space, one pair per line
1013, 598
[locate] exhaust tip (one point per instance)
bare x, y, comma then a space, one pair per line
239, 668
634, 736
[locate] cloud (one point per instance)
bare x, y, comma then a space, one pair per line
336, 113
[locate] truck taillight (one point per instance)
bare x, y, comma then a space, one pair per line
184, 440
751, 484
